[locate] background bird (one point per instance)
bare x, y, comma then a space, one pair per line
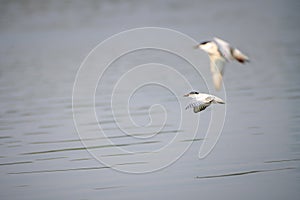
219, 53
201, 101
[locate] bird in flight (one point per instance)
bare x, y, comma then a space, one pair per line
219, 53
200, 101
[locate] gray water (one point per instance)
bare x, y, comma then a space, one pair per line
42, 45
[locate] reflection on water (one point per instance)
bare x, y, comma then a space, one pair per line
41, 155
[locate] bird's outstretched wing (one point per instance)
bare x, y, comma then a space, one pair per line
201, 107
197, 106
217, 69
224, 48
229, 52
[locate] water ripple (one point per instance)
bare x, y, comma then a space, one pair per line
285, 160
244, 173
85, 148
16, 163
109, 187
58, 170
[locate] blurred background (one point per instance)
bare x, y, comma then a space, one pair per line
43, 43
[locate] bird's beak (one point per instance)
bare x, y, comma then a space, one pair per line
197, 46
186, 95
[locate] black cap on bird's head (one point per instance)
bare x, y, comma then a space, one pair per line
193, 92
205, 42
202, 43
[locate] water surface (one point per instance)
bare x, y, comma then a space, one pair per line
42, 157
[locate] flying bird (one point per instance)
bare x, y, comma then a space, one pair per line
201, 101
219, 53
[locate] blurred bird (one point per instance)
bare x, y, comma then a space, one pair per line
219, 53
201, 101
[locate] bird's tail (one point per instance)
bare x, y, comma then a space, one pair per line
219, 100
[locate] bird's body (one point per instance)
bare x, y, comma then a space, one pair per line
219, 53
201, 101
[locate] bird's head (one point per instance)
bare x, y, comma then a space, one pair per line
208, 46
192, 94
